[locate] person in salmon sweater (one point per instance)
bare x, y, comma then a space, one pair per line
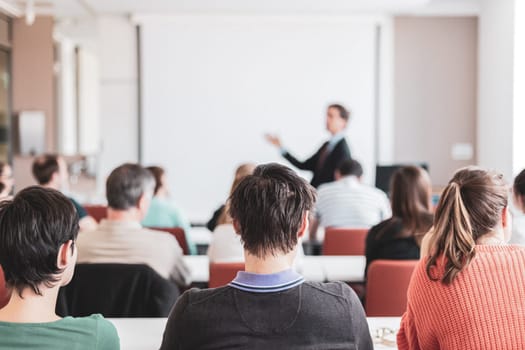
468, 292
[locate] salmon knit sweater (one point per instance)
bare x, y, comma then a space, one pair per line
483, 308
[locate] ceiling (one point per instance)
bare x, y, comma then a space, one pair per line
83, 8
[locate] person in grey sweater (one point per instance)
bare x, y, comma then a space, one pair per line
269, 305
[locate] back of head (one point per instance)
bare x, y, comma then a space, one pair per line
343, 112
33, 226
350, 167
127, 184
519, 189
410, 194
158, 174
471, 206
44, 167
269, 207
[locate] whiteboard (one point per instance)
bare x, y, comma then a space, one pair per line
212, 86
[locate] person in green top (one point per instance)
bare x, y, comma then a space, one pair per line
163, 212
38, 229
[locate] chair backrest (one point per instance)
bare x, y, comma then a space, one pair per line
223, 273
178, 233
97, 212
387, 285
117, 290
344, 241
4, 293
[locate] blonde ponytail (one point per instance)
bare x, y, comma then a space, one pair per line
470, 207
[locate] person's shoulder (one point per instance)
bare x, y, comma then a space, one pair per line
104, 330
337, 290
328, 187
195, 296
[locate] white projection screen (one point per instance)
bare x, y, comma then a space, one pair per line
212, 87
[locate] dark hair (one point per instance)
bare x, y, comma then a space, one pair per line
519, 187
343, 112
2, 168
350, 167
157, 173
126, 185
469, 207
44, 167
269, 207
33, 227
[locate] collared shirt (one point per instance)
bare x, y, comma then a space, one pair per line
127, 242
348, 203
267, 283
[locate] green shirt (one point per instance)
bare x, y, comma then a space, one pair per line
82, 333
163, 213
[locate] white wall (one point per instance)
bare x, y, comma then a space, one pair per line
213, 85
66, 101
495, 85
519, 87
117, 50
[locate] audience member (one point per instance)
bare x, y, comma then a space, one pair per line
38, 229
269, 304
220, 216
349, 203
163, 212
518, 217
50, 171
121, 239
400, 236
6, 181
468, 292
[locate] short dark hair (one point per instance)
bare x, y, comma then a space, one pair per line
33, 226
44, 167
343, 112
269, 207
350, 167
519, 186
126, 184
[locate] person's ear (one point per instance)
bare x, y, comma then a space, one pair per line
337, 175
236, 227
305, 223
143, 203
505, 217
65, 254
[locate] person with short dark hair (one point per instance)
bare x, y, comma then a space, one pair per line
517, 207
121, 238
348, 202
38, 230
324, 162
163, 212
50, 171
269, 304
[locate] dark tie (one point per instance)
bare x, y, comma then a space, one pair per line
323, 154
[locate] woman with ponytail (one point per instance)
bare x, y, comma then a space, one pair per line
469, 291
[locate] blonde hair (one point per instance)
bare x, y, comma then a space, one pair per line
469, 208
242, 171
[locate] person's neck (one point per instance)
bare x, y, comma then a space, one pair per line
31, 307
124, 215
495, 237
269, 264
52, 185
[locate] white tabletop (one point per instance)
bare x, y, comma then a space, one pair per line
146, 333
313, 268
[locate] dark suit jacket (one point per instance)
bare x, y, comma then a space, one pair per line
326, 172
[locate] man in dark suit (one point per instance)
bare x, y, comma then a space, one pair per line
325, 161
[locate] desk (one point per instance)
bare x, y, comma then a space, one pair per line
313, 268
146, 333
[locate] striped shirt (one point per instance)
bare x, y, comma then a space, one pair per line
266, 283
348, 203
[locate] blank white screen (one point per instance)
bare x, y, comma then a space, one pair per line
212, 86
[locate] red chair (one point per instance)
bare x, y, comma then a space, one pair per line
4, 292
97, 212
344, 241
223, 273
178, 233
387, 285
